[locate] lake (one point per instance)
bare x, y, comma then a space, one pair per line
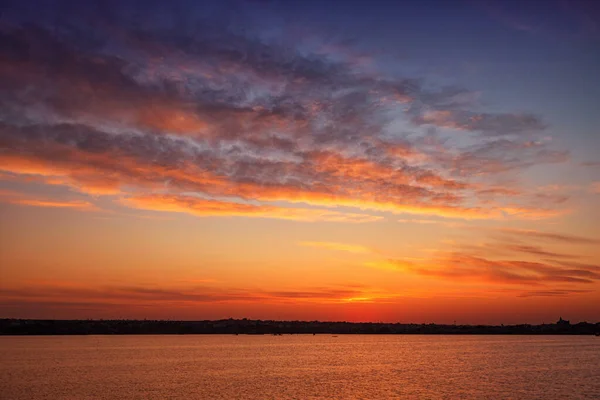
299, 367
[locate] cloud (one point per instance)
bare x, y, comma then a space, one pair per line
500, 156
22, 199
217, 110
552, 293
464, 267
83, 158
350, 248
452, 224
549, 236
485, 123
532, 213
537, 251
419, 221
510, 261
136, 296
80, 205
213, 208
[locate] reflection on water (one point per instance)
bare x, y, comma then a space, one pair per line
299, 367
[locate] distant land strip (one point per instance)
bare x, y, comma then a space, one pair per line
10, 326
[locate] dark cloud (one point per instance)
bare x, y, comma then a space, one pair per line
501, 156
486, 123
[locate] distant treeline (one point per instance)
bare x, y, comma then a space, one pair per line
258, 327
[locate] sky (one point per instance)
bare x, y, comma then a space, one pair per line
410, 161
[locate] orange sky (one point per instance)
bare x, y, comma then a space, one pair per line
250, 178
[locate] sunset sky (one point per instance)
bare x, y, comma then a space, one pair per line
424, 161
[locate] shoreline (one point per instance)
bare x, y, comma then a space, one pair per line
39, 327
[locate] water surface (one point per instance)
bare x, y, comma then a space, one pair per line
299, 367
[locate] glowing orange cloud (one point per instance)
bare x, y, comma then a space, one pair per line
464, 267
204, 208
80, 205
98, 174
22, 199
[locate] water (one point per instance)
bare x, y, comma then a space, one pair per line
299, 367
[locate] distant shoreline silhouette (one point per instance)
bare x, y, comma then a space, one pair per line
10, 326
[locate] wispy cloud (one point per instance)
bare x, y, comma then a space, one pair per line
350, 248
552, 293
448, 223
513, 260
160, 296
213, 208
549, 236
22, 199
465, 268
537, 251
488, 124
419, 221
